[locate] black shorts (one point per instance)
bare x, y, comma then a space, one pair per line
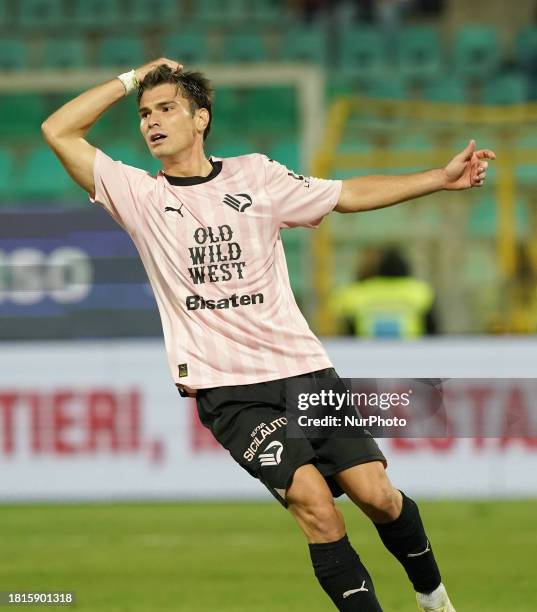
250, 422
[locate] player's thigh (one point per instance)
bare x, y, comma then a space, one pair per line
255, 435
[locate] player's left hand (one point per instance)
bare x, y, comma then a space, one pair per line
468, 168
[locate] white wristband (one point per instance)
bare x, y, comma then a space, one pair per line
129, 80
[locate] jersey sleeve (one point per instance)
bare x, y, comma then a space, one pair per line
299, 200
117, 188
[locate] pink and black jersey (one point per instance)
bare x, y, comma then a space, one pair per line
213, 254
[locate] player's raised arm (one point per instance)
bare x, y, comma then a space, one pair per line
66, 128
467, 169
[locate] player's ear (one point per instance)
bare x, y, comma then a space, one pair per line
201, 119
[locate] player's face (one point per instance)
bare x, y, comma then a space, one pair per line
166, 121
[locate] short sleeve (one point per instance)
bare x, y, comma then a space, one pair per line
299, 200
117, 189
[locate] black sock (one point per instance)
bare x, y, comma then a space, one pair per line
405, 538
343, 576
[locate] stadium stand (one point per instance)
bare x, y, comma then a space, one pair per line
304, 45
476, 53
64, 53
157, 12
39, 14
191, 47
13, 54
91, 14
121, 51
419, 53
362, 54
244, 47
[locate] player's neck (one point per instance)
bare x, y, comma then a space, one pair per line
188, 163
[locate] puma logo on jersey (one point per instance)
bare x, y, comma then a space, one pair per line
240, 205
178, 210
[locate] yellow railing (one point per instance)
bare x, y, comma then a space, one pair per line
506, 121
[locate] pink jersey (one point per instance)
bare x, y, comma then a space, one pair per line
212, 250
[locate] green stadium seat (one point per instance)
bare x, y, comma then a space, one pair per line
7, 166
43, 176
411, 142
266, 12
419, 53
13, 54
526, 47
243, 47
40, 13
94, 13
445, 89
362, 54
21, 115
153, 12
220, 13
187, 46
483, 218
304, 45
506, 89
121, 51
287, 152
393, 88
63, 53
476, 52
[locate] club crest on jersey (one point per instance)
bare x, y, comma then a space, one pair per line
239, 202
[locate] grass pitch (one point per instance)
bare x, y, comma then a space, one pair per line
250, 557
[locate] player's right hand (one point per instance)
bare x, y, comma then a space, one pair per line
143, 70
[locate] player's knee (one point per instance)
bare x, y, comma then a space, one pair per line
324, 521
382, 503
321, 521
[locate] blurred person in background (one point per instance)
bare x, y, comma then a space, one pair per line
389, 303
208, 234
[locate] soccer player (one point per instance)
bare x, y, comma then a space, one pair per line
207, 231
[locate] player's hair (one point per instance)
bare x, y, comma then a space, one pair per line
194, 86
